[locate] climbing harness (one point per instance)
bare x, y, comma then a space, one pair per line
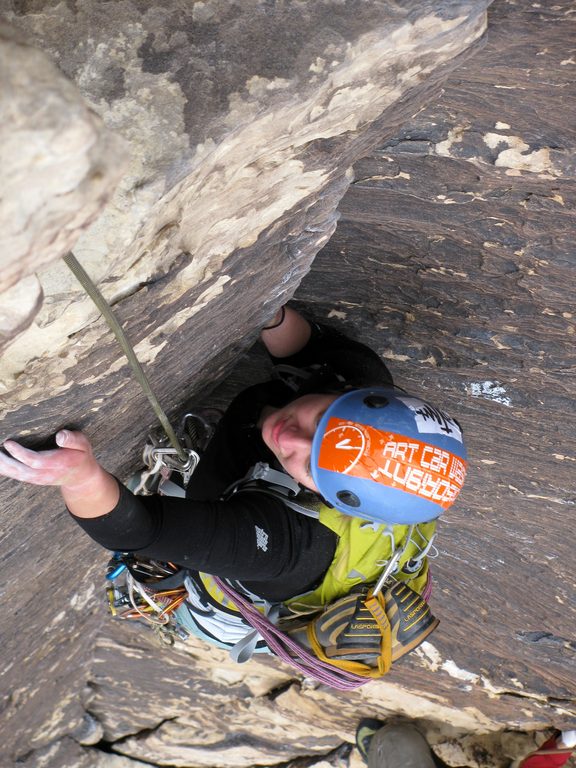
261, 478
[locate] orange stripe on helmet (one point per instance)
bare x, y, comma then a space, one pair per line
393, 460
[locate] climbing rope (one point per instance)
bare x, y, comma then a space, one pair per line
86, 282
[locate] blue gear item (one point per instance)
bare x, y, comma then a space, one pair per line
383, 455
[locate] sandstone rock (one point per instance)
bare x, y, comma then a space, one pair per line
235, 147
192, 705
19, 306
59, 165
67, 753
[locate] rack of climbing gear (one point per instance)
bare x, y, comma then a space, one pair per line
147, 590
165, 454
152, 590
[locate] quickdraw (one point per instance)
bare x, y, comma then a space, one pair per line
161, 459
146, 590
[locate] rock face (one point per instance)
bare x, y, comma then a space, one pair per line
242, 122
59, 164
456, 250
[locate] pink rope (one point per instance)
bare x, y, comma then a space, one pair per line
289, 650
427, 591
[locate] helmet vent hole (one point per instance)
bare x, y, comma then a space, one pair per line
348, 498
376, 401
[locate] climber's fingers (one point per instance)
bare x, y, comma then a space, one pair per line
65, 466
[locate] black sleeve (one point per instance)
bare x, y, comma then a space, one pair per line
250, 537
355, 362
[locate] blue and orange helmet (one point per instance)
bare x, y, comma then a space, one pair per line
386, 456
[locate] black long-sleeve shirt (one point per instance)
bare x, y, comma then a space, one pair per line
274, 551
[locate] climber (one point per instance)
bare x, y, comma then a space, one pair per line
368, 450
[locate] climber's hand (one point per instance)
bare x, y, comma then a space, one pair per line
70, 465
88, 490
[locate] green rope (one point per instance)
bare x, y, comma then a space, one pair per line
86, 282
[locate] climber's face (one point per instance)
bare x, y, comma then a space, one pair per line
288, 432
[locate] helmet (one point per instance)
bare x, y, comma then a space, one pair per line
385, 456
